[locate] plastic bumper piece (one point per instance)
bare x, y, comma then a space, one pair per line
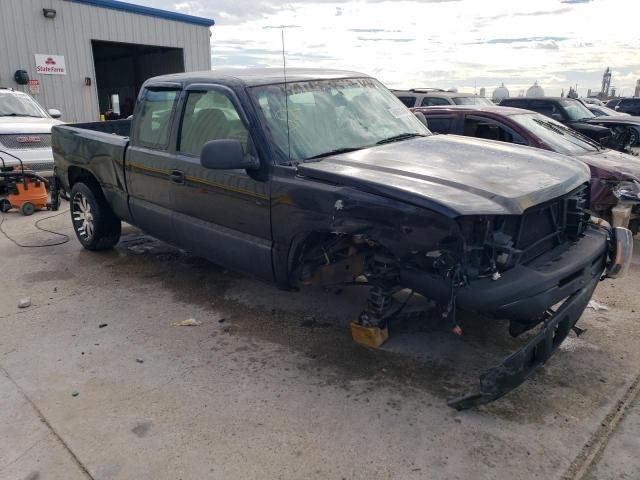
515, 369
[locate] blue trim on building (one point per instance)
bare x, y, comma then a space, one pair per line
151, 12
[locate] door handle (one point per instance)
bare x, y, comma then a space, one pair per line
176, 176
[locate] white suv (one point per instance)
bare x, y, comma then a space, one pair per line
436, 97
25, 132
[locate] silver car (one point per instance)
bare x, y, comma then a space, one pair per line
25, 132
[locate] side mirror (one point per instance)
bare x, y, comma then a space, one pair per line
226, 154
557, 117
422, 118
54, 113
617, 107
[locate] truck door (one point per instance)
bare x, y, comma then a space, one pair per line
222, 215
149, 163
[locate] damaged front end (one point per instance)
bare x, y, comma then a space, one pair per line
539, 268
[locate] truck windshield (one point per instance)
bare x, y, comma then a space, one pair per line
19, 105
575, 110
560, 138
332, 116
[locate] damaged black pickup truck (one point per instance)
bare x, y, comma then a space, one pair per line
326, 178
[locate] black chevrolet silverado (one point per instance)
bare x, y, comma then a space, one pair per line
326, 178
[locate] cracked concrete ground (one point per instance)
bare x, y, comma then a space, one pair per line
271, 386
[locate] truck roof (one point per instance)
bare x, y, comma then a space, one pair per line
251, 77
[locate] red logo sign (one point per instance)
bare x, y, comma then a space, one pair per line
28, 139
50, 61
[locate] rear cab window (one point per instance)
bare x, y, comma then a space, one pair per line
155, 112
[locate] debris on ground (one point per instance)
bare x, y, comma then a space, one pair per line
75, 394
139, 360
24, 302
102, 325
597, 306
189, 322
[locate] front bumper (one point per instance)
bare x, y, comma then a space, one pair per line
520, 365
523, 293
527, 293
39, 160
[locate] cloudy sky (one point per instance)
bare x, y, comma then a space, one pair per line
465, 44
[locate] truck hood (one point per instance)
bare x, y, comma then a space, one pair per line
591, 130
455, 175
610, 164
17, 125
616, 119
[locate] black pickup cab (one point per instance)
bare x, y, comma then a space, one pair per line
327, 178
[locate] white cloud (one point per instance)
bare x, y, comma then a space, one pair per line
447, 43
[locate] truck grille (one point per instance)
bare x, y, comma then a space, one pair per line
27, 141
546, 226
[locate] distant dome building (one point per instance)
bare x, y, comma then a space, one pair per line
535, 90
500, 92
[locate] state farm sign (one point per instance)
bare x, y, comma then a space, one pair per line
50, 64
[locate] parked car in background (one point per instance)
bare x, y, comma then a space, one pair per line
630, 105
25, 132
601, 110
614, 175
327, 178
430, 97
618, 133
592, 101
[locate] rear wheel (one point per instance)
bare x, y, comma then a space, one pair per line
27, 209
95, 224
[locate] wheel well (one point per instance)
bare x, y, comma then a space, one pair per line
320, 256
79, 174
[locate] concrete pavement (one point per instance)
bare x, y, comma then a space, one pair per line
270, 385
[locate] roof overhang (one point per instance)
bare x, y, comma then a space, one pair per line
148, 11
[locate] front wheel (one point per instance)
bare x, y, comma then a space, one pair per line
95, 224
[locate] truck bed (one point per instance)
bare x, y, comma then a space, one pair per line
115, 127
96, 148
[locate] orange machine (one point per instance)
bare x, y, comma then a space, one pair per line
26, 192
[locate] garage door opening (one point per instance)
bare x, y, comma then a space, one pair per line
122, 68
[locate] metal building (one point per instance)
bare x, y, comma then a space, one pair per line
90, 57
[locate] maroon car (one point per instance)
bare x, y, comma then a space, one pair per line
615, 186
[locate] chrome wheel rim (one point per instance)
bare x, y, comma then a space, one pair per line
82, 216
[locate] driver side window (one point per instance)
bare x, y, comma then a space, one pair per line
209, 116
491, 130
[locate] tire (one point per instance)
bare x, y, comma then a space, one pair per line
95, 224
5, 205
27, 208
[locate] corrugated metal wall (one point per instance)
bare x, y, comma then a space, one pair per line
24, 31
